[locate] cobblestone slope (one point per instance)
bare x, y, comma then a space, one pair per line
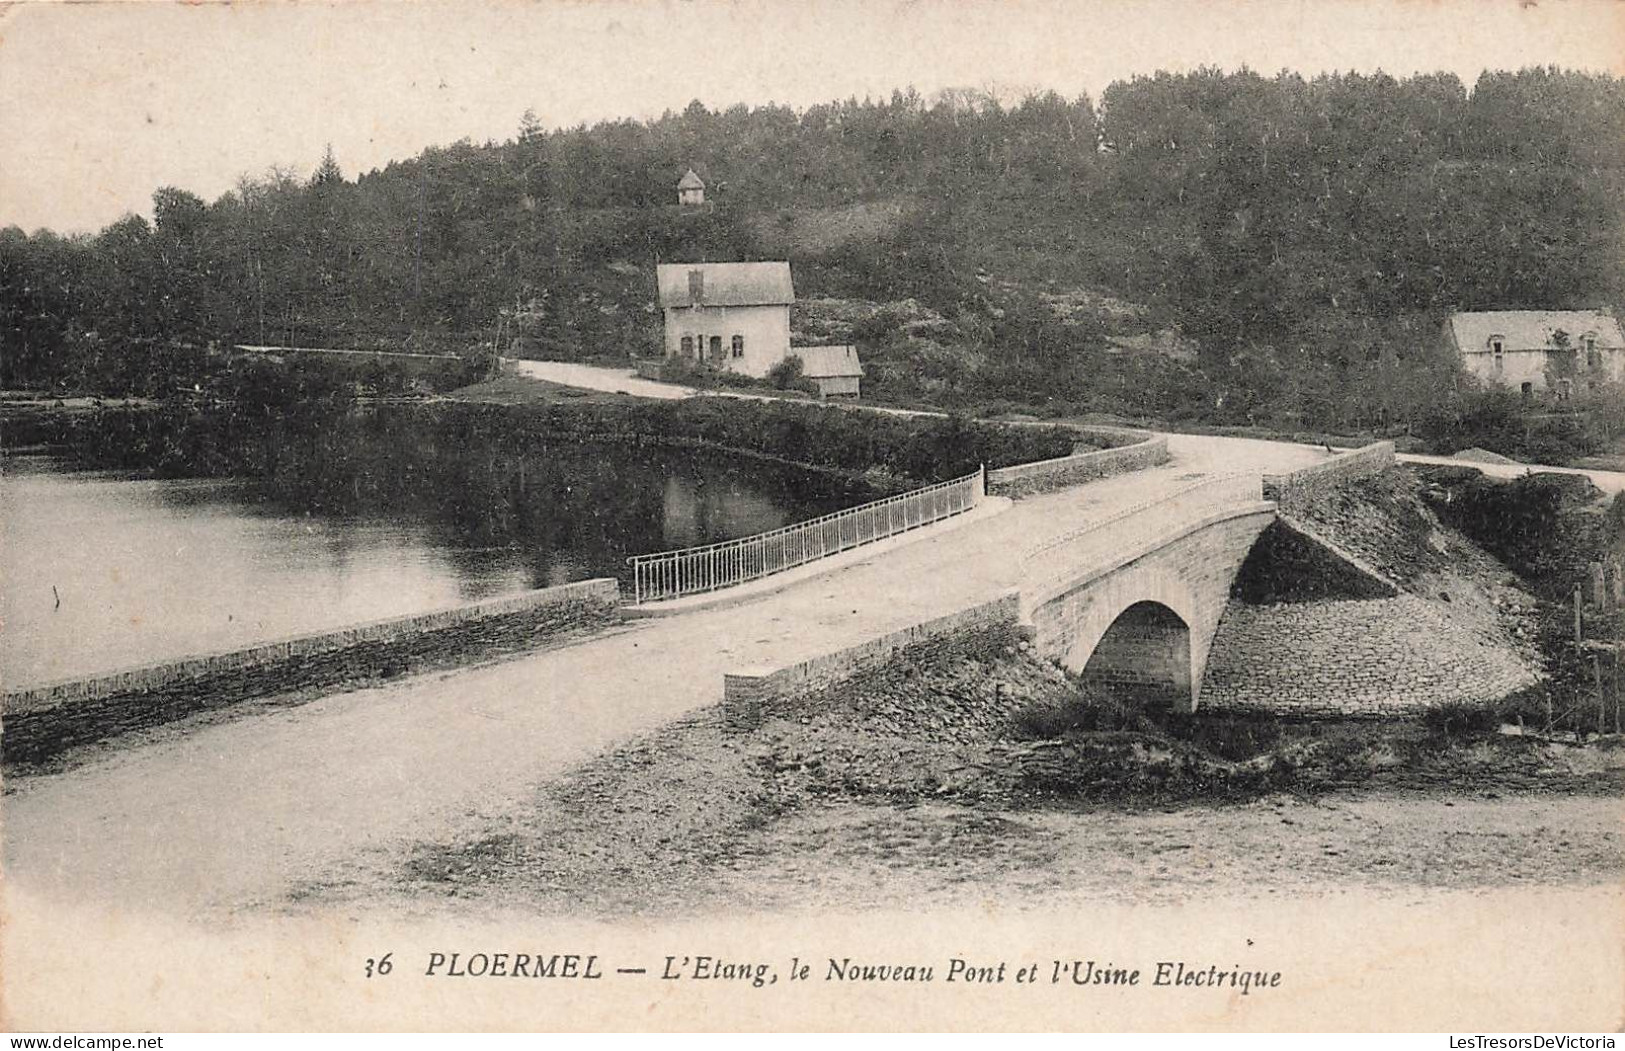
1461, 631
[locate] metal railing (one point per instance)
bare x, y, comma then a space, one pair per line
692, 570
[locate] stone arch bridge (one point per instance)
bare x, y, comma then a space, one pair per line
1142, 613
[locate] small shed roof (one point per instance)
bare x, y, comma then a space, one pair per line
690, 181
1532, 329
725, 284
828, 362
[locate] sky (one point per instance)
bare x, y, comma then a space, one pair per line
101, 103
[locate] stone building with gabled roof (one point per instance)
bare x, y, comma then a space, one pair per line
1539, 350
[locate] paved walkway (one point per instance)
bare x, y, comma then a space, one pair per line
248, 809
597, 377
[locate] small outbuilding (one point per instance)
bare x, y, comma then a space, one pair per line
836, 371
690, 188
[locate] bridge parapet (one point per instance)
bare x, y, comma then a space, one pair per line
1069, 548
1317, 478
749, 693
1043, 476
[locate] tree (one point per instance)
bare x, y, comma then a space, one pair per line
327, 173
530, 127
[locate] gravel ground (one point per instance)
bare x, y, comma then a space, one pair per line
860, 806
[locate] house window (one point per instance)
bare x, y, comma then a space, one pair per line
1593, 359
688, 346
696, 286
1528, 390
1498, 349
739, 346
1564, 389
716, 348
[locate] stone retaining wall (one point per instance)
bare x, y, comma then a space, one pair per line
1374, 658
1308, 482
747, 694
45, 719
1046, 476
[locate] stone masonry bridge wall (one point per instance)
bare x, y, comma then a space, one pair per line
1306, 483
43, 720
1043, 476
750, 693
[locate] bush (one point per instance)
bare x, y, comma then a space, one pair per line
1048, 720
1084, 712
788, 375
1454, 718
919, 448
1502, 422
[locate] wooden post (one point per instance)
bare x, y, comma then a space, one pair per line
1599, 586
1602, 705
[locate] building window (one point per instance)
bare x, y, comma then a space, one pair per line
1593, 359
1498, 349
688, 346
716, 348
1528, 390
1564, 389
696, 286
739, 346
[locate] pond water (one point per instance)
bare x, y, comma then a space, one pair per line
108, 569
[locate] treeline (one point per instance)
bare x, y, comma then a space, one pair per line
1308, 234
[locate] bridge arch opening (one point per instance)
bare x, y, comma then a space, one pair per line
1144, 658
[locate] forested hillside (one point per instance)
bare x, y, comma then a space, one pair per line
1302, 239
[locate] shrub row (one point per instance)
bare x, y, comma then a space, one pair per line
920, 448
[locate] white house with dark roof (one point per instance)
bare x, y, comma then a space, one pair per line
1539, 350
733, 316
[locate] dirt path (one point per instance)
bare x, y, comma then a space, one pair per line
938, 855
